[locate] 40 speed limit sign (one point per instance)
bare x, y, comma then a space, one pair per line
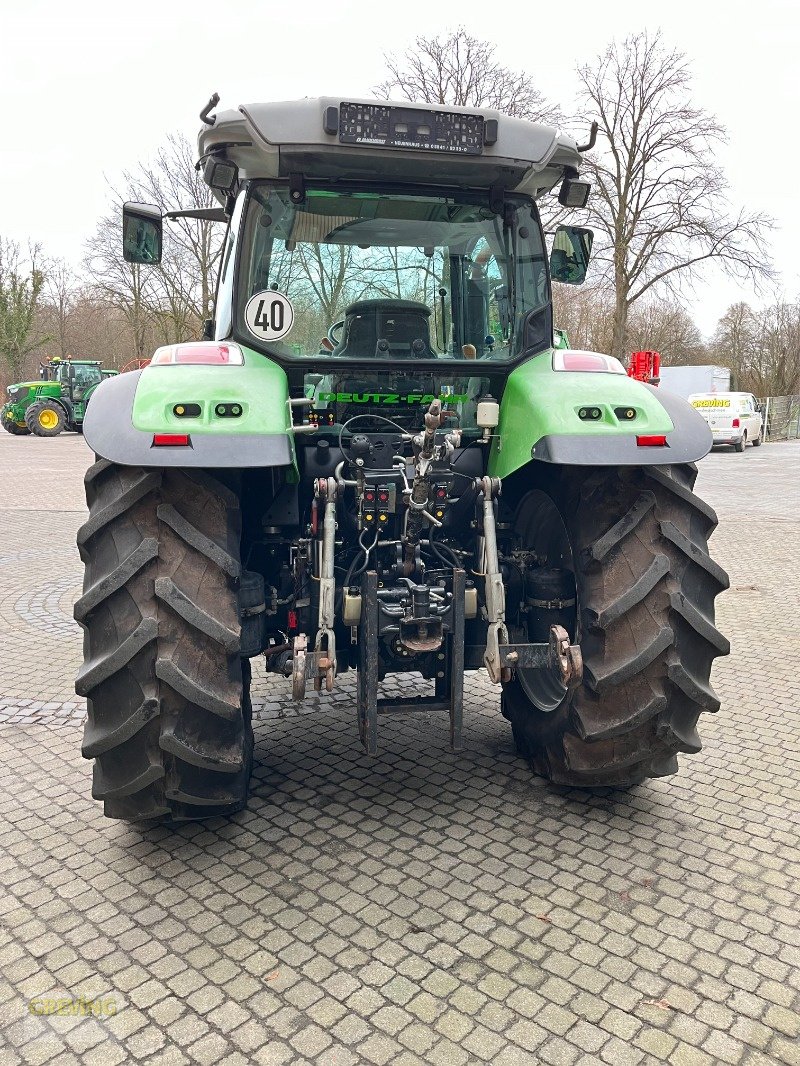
269, 315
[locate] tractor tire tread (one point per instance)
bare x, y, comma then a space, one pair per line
32, 418
169, 715
647, 587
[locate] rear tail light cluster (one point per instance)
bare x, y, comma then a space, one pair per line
566, 359
171, 440
736, 423
201, 353
656, 440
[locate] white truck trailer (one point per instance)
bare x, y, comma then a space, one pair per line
687, 380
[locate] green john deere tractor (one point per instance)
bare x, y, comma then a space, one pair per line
377, 459
57, 401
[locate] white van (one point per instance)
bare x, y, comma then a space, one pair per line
733, 417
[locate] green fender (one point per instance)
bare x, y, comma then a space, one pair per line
539, 420
129, 410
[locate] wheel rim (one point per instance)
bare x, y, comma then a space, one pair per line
48, 419
541, 529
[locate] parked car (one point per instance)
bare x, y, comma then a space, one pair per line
733, 417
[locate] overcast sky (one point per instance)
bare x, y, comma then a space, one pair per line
89, 89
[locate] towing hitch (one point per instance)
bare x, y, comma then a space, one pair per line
559, 656
449, 684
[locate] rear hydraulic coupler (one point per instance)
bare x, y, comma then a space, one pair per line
420, 487
419, 495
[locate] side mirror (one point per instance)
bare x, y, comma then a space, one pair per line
572, 250
142, 233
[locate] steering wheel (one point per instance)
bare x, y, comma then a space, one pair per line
334, 333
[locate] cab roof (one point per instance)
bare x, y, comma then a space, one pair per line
335, 138
71, 359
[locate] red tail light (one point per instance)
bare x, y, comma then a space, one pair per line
566, 359
655, 441
171, 440
208, 353
735, 423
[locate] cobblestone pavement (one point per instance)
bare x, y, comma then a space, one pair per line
420, 907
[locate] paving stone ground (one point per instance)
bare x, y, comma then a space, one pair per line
418, 907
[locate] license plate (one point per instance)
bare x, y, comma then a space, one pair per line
407, 127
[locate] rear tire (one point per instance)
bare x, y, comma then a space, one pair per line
169, 718
645, 587
45, 419
740, 445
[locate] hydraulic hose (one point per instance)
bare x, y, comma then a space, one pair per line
420, 487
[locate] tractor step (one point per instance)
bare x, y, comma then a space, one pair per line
368, 704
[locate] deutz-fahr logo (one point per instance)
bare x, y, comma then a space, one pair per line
388, 398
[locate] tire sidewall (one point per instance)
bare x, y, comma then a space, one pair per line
32, 419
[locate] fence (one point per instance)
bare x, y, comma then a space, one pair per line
781, 417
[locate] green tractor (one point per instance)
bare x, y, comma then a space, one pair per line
57, 401
378, 460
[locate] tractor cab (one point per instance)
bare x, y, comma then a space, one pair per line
385, 250
77, 377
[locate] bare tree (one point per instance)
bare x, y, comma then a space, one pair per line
659, 200
60, 295
762, 348
171, 300
98, 329
586, 313
127, 287
735, 340
329, 274
460, 70
192, 247
664, 326
21, 284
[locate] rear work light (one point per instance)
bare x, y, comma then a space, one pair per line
206, 353
171, 440
655, 441
565, 359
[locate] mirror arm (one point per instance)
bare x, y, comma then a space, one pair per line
207, 119
592, 139
204, 214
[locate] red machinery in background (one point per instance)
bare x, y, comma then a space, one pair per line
135, 364
645, 366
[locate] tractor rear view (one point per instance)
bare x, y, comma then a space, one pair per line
378, 460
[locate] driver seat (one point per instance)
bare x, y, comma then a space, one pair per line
402, 324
